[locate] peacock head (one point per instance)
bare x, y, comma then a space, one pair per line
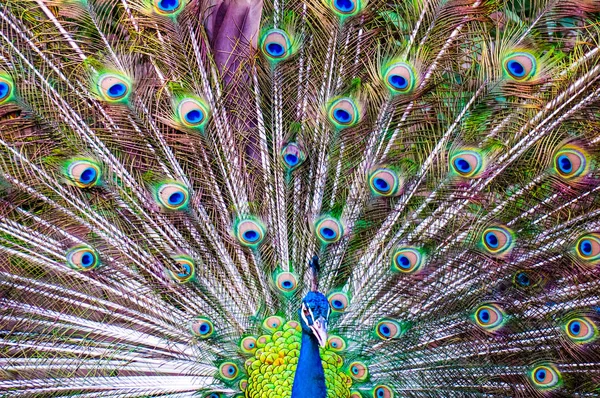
314, 316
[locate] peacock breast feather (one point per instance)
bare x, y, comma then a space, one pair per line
271, 368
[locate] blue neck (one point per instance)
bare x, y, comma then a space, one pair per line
309, 380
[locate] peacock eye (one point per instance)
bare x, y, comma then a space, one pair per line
292, 156
359, 371
192, 113
249, 232
172, 196
328, 230
273, 323
83, 173
384, 182
228, 370
545, 377
346, 8
336, 343
588, 248
581, 330
388, 329
6, 88
248, 345
355, 394
202, 327
400, 78
214, 395
276, 45
338, 301
184, 269
497, 240
167, 7
113, 87
467, 163
343, 113
408, 260
82, 258
520, 66
489, 317
382, 391
571, 163
286, 282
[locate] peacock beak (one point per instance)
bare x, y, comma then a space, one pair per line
319, 329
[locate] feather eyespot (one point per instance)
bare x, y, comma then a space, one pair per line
83, 173
338, 301
228, 370
276, 45
359, 371
588, 248
214, 395
384, 182
292, 155
248, 345
520, 66
581, 330
399, 78
328, 230
545, 377
7, 88
172, 195
82, 258
382, 391
571, 163
467, 163
346, 8
388, 329
183, 270
497, 240
336, 343
343, 113
168, 7
113, 87
202, 327
489, 317
192, 113
355, 394
408, 260
286, 282
249, 232
273, 323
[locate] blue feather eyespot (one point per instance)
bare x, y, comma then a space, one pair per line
82, 258
83, 173
7, 88
249, 232
172, 195
113, 87
520, 66
202, 327
248, 345
545, 377
581, 330
388, 329
346, 8
338, 301
489, 317
343, 113
192, 113
213, 395
358, 371
571, 163
384, 182
228, 370
273, 323
286, 282
498, 240
168, 7
382, 391
467, 163
588, 248
292, 156
408, 260
276, 45
328, 230
336, 343
399, 77
183, 270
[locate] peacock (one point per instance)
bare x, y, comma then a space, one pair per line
299, 198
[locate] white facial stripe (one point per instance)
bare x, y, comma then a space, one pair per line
302, 313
